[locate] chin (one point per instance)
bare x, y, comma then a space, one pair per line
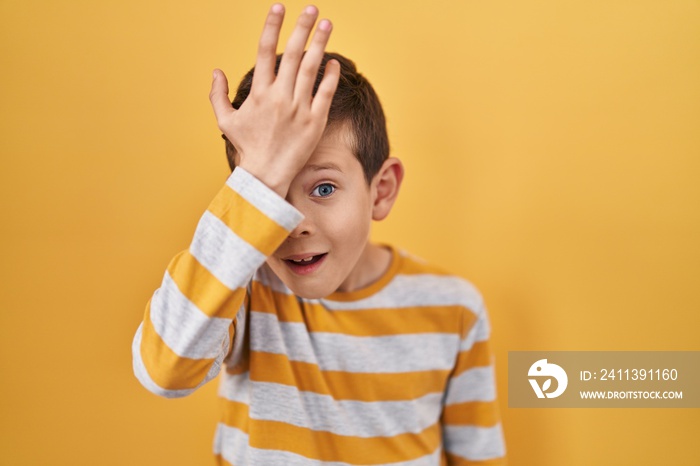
308, 291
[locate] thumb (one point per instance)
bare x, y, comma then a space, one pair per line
219, 96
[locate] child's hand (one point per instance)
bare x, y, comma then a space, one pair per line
280, 123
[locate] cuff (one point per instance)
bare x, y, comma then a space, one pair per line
264, 199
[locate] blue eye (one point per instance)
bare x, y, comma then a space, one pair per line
323, 190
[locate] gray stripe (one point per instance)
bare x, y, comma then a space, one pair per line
264, 199
183, 327
223, 253
343, 417
475, 443
232, 444
417, 290
338, 352
480, 332
476, 384
235, 387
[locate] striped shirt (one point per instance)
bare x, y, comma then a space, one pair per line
398, 373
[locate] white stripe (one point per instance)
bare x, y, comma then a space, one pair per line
478, 333
235, 387
475, 443
338, 352
417, 290
223, 253
232, 445
142, 374
319, 412
183, 327
476, 384
264, 199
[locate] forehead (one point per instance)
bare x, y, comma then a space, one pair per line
334, 152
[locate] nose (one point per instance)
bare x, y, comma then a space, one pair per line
306, 226
304, 229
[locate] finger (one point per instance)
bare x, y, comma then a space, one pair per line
218, 96
295, 47
308, 69
267, 47
324, 95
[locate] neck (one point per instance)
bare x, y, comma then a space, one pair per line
372, 264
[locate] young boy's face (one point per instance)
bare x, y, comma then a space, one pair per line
329, 251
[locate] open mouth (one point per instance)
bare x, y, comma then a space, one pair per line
307, 264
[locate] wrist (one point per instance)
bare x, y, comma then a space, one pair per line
276, 180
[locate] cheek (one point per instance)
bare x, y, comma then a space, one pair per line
276, 267
350, 223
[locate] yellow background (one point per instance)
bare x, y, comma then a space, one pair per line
552, 150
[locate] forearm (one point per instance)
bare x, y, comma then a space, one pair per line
189, 322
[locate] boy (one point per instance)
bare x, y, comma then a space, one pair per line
336, 350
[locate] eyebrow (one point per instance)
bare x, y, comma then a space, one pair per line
324, 166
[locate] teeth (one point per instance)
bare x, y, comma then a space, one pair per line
308, 259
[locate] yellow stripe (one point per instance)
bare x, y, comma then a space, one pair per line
236, 415
366, 322
454, 460
478, 356
167, 369
380, 322
472, 413
326, 446
286, 307
247, 221
239, 368
211, 296
276, 368
220, 461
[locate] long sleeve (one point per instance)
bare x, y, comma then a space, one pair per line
190, 321
472, 432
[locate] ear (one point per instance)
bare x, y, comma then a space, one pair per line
385, 187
